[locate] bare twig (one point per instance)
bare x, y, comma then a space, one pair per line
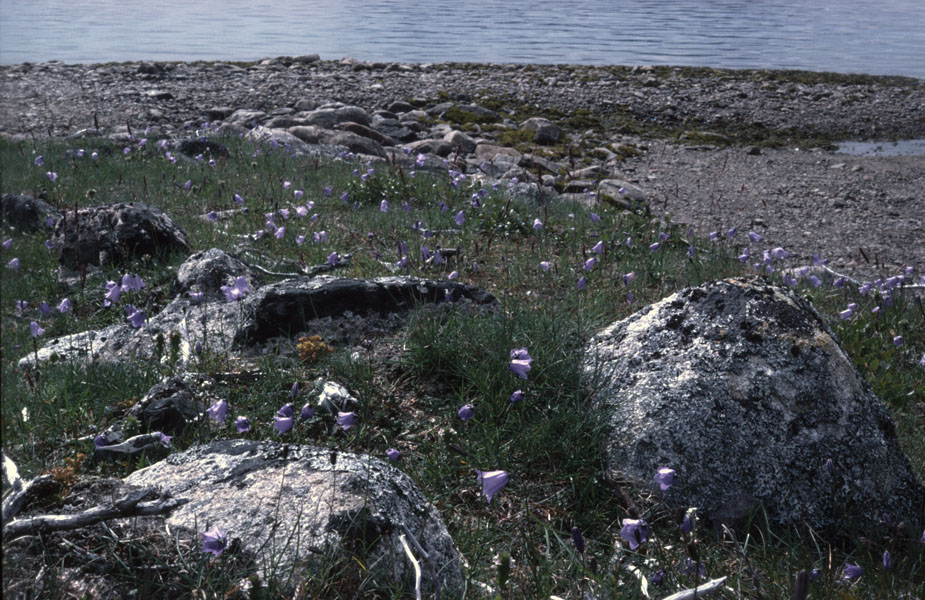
700, 590
130, 505
417, 567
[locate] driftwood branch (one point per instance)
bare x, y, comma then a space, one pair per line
21, 491
130, 505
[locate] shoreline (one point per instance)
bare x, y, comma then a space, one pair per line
714, 148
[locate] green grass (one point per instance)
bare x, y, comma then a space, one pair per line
411, 386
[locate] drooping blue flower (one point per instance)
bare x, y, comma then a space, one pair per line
852, 571
598, 248
887, 560
492, 482
664, 477
137, 318
7, 244
236, 292
392, 454
64, 306
654, 247
545, 264
333, 258
520, 362
35, 329
634, 531
307, 412
466, 412
13, 264
582, 282
754, 237
214, 540
346, 419
517, 396
589, 264
218, 411
537, 225
282, 424
242, 424
898, 341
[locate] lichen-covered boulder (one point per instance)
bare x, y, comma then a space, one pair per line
116, 233
741, 388
282, 308
26, 213
286, 308
300, 509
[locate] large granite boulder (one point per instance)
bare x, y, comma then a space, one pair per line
114, 234
741, 388
26, 213
300, 510
282, 309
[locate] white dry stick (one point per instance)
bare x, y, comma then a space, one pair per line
417, 567
700, 590
130, 505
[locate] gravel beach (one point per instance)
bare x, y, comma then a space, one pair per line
713, 148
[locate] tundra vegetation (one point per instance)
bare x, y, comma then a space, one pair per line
442, 392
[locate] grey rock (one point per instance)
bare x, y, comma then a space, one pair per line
437, 110
82, 346
219, 113
334, 398
533, 162
489, 151
438, 147
530, 192
281, 309
741, 388
26, 213
171, 405
394, 129
545, 131
246, 117
302, 509
622, 194
310, 134
460, 141
357, 144
116, 233
329, 117
284, 122
367, 132
399, 107
278, 137
209, 270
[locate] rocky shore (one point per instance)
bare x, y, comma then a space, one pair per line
713, 148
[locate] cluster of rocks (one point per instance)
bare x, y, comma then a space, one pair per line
560, 130
59, 99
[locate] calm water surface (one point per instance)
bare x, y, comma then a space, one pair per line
860, 36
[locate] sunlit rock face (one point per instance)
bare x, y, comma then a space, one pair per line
741, 388
300, 510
